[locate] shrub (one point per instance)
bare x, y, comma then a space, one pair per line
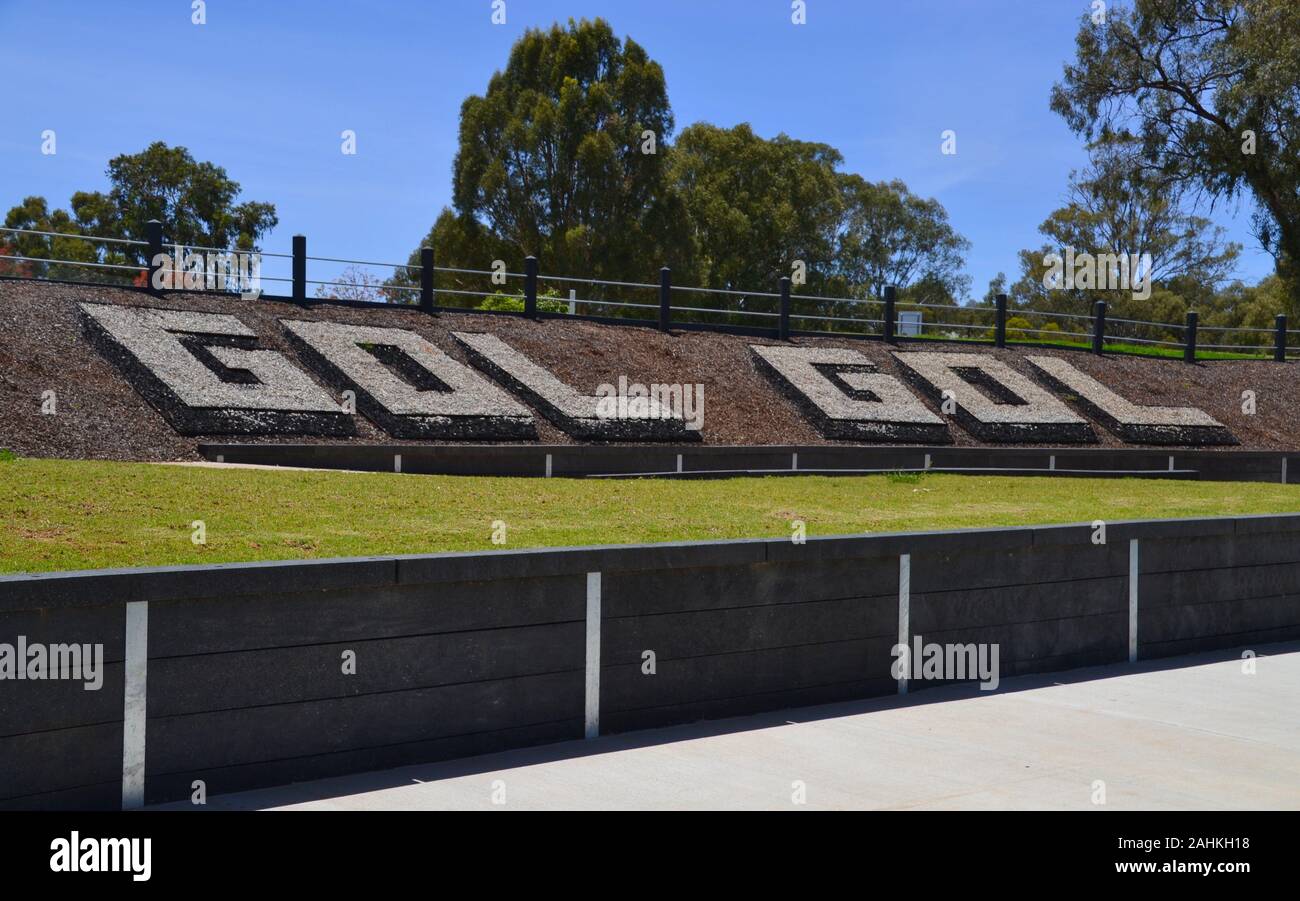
1018, 329
514, 303
1021, 329
7, 456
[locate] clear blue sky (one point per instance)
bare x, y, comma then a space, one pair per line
265, 88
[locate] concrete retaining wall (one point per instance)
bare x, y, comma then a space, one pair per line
462, 654
629, 460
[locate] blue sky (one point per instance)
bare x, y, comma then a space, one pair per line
265, 88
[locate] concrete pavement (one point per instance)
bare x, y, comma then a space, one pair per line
1190, 732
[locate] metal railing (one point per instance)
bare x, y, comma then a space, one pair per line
782, 313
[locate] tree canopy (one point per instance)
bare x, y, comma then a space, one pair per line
754, 206
195, 201
570, 155
554, 161
1211, 91
562, 156
890, 236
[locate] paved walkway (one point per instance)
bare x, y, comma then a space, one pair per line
1190, 732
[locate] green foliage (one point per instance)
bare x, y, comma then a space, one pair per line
551, 163
553, 160
1120, 206
194, 200
1021, 330
1018, 329
756, 205
1188, 80
890, 236
514, 303
34, 213
7, 456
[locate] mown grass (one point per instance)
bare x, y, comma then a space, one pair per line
83, 515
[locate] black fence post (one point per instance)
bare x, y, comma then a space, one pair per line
665, 298
426, 279
1000, 321
153, 236
530, 287
1099, 327
783, 326
1189, 348
300, 268
891, 295
1279, 342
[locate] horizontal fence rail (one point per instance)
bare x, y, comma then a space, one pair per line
784, 313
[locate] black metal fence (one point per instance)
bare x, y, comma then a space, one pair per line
782, 313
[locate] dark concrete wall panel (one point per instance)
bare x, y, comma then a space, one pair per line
951, 610
1210, 552
282, 675
1177, 622
711, 632
104, 796
39, 706
1251, 639
282, 731
993, 566
1237, 583
586, 460
210, 626
718, 587
717, 676
1105, 636
67, 625
60, 759
243, 777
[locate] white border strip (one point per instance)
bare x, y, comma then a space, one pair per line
593, 655
1132, 600
904, 613
133, 708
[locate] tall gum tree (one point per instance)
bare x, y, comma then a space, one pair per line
1211, 88
563, 157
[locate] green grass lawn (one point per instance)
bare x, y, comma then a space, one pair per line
84, 515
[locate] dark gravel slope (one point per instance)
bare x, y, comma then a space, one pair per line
100, 416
